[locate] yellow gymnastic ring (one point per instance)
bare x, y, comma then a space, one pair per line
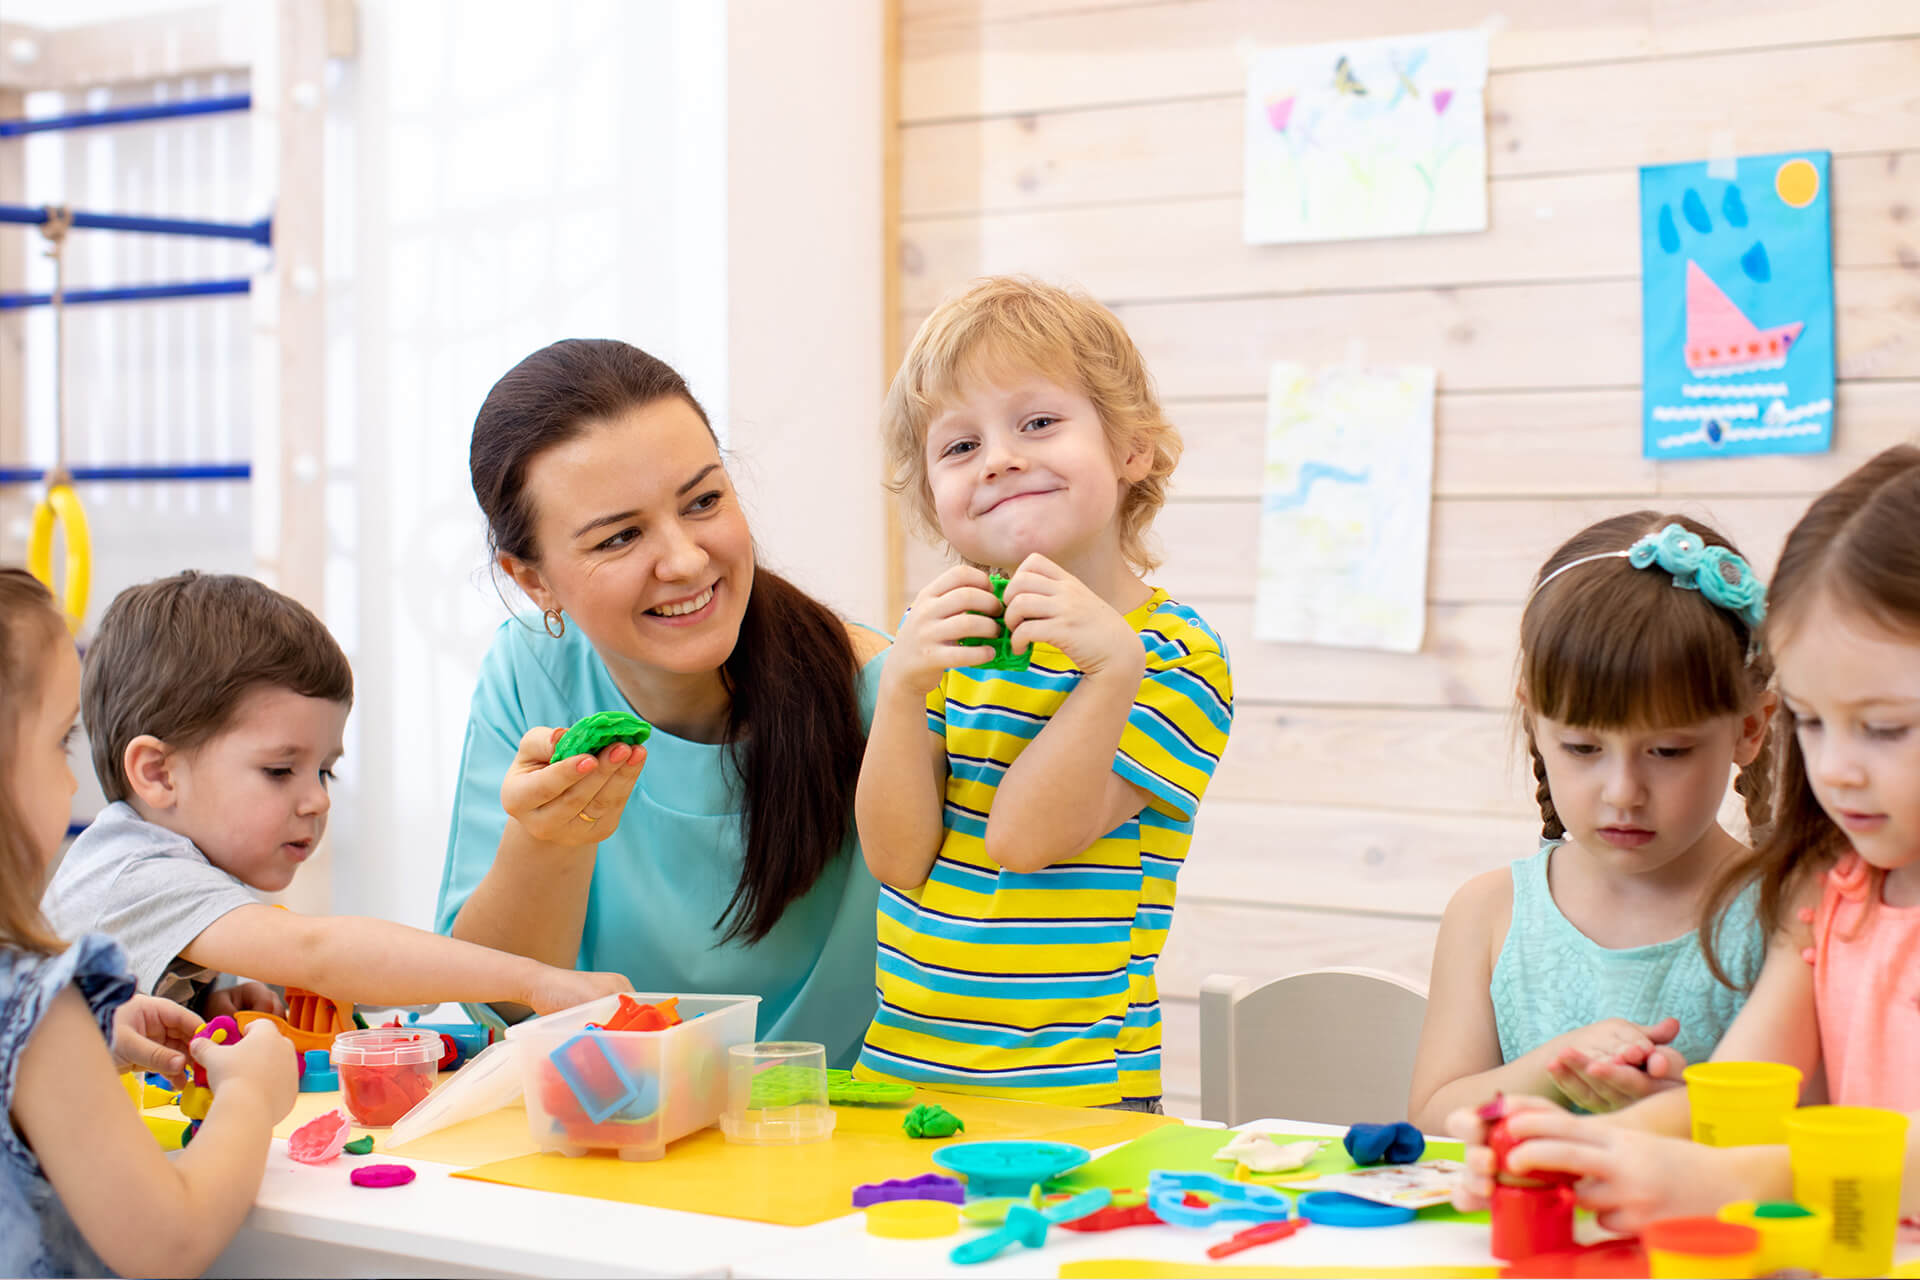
62, 506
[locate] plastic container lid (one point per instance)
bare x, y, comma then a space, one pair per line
1338, 1209
386, 1047
1700, 1236
1009, 1168
489, 1081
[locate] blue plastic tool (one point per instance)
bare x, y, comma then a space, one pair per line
583, 1058
1233, 1201
1338, 1209
319, 1075
1009, 1168
1027, 1225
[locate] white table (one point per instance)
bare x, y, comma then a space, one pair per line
310, 1221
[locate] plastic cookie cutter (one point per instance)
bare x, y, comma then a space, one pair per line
1028, 1226
599, 730
928, 1186
1232, 1201
1012, 1168
601, 1085
1118, 1215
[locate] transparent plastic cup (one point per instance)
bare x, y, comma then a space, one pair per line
777, 1094
1847, 1163
385, 1072
1741, 1104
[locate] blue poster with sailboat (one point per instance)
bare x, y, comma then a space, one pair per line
1737, 306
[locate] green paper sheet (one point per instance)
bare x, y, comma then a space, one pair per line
1192, 1150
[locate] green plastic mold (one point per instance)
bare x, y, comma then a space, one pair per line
791, 1086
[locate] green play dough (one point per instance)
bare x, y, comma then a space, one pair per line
931, 1122
1004, 658
359, 1146
600, 730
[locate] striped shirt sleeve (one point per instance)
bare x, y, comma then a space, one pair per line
937, 706
1178, 726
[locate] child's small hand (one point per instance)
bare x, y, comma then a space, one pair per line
1475, 1189
956, 605
1047, 604
1607, 1083
1628, 1177
151, 1034
261, 1057
554, 989
573, 802
244, 997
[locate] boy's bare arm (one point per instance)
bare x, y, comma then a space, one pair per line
378, 962
898, 803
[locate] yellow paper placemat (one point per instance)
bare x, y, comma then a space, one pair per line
800, 1185
1158, 1269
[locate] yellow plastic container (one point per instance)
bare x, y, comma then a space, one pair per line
1792, 1236
1847, 1162
1685, 1248
1741, 1104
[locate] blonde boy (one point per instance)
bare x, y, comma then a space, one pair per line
1027, 838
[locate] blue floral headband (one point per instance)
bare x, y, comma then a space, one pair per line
1720, 575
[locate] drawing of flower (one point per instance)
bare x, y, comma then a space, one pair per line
1279, 112
1442, 98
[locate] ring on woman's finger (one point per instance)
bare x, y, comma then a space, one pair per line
585, 817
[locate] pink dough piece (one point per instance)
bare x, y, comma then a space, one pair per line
382, 1175
319, 1139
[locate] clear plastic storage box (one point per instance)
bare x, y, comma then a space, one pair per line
628, 1092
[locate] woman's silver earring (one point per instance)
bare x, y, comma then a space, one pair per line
556, 623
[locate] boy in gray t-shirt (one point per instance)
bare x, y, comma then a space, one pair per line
215, 707
154, 892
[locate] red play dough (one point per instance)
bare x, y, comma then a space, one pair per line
382, 1175
319, 1139
378, 1096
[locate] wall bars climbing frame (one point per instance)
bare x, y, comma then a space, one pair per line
281, 47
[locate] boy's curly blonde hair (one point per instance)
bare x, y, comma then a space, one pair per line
1002, 326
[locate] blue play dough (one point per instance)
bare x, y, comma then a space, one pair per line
1399, 1143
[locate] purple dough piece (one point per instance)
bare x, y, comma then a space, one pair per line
928, 1186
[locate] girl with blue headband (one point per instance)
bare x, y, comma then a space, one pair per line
1579, 973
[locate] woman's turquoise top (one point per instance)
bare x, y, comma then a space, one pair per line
662, 881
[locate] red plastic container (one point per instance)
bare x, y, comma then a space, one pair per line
1531, 1220
385, 1072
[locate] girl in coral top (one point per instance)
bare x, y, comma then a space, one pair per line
1839, 877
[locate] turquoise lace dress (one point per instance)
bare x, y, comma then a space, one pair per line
1551, 978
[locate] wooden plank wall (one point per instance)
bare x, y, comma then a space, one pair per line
1099, 143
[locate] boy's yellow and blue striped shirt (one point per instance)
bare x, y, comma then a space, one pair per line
1041, 985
